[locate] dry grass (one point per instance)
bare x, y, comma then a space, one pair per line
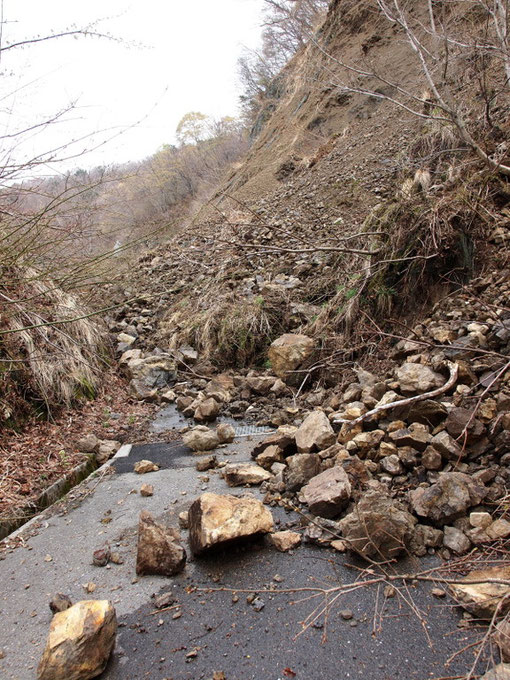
55, 365
225, 328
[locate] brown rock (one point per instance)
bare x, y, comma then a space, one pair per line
261, 384
328, 493
60, 603
499, 672
284, 438
482, 598
378, 528
431, 459
285, 540
107, 449
206, 463
456, 424
159, 550
315, 434
80, 641
272, 454
237, 474
501, 637
146, 490
201, 438
289, 352
447, 447
225, 433
141, 467
207, 410
88, 444
449, 498
417, 379
218, 520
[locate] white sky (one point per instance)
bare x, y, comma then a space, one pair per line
185, 60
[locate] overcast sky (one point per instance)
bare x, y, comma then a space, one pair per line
184, 59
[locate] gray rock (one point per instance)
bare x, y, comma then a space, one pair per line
300, 469
456, 540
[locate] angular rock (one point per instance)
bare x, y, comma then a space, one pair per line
80, 642
201, 438
428, 412
416, 436
60, 603
392, 465
207, 410
272, 454
500, 528
378, 528
206, 463
456, 425
417, 379
447, 446
216, 520
237, 474
315, 434
499, 672
501, 637
225, 433
88, 444
431, 459
289, 352
482, 598
449, 498
300, 469
284, 438
159, 550
146, 490
141, 467
285, 540
328, 493
261, 384
456, 540
107, 449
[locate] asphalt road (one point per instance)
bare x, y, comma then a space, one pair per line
210, 631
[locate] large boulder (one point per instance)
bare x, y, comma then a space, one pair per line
201, 438
237, 474
448, 499
80, 642
287, 353
159, 548
378, 528
328, 493
315, 433
216, 520
417, 378
483, 598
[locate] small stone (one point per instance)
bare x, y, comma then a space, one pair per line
258, 604
389, 591
498, 529
89, 587
438, 592
225, 433
346, 614
339, 545
456, 540
101, 557
392, 465
480, 519
206, 463
116, 558
315, 434
60, 603
431, 459
146, 490
184, 519
285, 540
141, 467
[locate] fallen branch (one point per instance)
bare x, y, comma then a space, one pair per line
454, 372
